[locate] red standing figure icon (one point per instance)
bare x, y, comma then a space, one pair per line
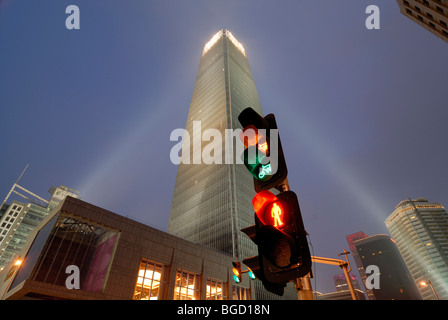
276, 213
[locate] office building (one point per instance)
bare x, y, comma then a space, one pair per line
212, 202
21, 218
351, 238
111, 257
395, 281
340, 282
420, 231
430, 14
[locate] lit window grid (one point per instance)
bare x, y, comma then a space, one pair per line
186, 286
214, 289
240, 293
8, 220
149, 281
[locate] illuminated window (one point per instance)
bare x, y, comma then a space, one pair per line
186, 286
149, 281
240, 293
215, 289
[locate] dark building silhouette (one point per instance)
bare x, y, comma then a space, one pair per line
395, 281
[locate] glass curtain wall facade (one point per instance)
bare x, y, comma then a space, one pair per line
15, 228
212, 202
20, 219
420, 231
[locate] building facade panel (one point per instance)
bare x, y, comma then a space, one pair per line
430, 14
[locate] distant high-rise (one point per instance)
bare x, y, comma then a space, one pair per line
395, 282
420, 230
351, 238
340, 282
430, 14
212, 202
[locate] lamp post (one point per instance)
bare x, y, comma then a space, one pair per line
424, 283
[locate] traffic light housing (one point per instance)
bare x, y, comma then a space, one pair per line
279, 233
281, 236
263, 154
237, 271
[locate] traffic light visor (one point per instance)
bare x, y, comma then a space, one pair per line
261, 201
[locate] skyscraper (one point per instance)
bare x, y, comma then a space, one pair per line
212, 201
420, 230
395, 282
430, 14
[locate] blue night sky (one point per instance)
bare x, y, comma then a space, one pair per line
362, 113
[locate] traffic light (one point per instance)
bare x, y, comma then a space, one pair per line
281, 236
251, 273
279, 233
263, 153
236, 271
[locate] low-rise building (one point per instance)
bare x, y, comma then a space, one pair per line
85, 252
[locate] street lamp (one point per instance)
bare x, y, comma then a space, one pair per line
424, 283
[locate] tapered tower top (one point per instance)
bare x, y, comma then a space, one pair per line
219, 35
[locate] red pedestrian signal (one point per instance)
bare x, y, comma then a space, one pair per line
276, 215
270, 210
280, 236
